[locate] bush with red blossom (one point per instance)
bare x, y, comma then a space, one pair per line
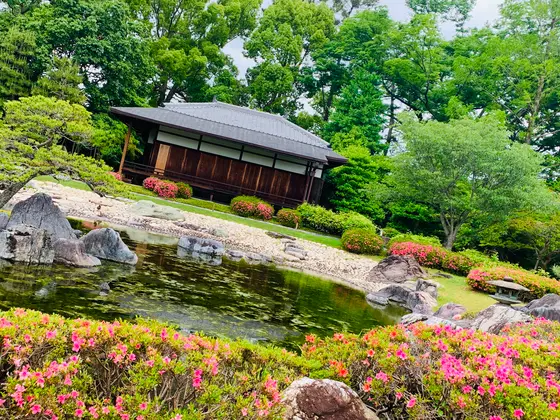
150, 183
248, 206
362, 241
116, 175
288, 217
166, 189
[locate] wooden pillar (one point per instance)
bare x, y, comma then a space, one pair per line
125, 148
313, 171
307, 179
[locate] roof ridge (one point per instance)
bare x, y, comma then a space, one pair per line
251, 129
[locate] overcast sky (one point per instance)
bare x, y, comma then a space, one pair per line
485, 11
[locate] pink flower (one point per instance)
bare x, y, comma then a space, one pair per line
518, 413
50, 334
495, 418
79, 412
36, 409
143, 406
244, 412
411, 403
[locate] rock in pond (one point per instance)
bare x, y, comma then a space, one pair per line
40, 212
418, 302
413, 318
26, 244
546, 307
73, 252
450, 311
396, 269
202, 246
3, 220
107, 244
494, 318
314, 399
146, 208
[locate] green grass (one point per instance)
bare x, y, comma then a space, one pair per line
457, 290
72, 184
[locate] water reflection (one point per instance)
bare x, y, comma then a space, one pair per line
234, 299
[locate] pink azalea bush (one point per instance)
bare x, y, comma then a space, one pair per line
248, 206
434, 372
539, 286
362, 241
166, 189
184, 190
150, 183
288, 217
116, 175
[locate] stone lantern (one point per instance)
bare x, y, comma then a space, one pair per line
507, 291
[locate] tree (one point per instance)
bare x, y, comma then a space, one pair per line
282, 45
466, 169
61, 81
349, 183
186, 42
30, 144
17, 48
359, 107
457, 11
19, 7
108, 138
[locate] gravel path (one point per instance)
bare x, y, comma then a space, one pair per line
333, 263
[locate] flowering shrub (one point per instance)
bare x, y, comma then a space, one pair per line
150, 183
539, 286
434, 372
166, 189
184, 190
288, 217
116, 175
362, 241
418, 239
248, 206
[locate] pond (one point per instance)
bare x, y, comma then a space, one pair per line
236, 300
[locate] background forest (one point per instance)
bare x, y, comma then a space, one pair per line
456, 138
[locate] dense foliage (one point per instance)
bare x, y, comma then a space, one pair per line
362, 241
328, 221
58, 368
249, 206
288, 217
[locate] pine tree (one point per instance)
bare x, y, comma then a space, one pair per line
16, 51
61, 81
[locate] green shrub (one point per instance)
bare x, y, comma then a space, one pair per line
353, 220
185, 190
248, 206
556, 271
390, 232
480, 258
417, 239
288, 217
362, 241
321, 219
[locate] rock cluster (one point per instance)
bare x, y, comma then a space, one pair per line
396, 269
546, 307
414, 300
293, 249
210, 247
220, 233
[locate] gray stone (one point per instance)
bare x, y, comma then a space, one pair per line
107, 244
73, 252
323, 399
450, 311
26, 244
444, 275
296, 254
202, 246
376, 299
234, 254
494, 318
277, 235
420, 302
413, 318
220, 233
3, 220
40, 212
428, 286
146, 208
546, 307
253, 257
78, 233
396, 269
508, 285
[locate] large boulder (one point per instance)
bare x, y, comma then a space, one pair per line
26, 244
396, 269
193, 244
450, 311
546, 307
107, 244
40, 212
3, 220
428, 286
146, 208
73, 252
313, 399
418, 302
494, 318
413, 318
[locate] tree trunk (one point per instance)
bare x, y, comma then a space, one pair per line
451, 228
450, 238
11, 190
391, 125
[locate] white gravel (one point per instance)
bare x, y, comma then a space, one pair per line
322, 260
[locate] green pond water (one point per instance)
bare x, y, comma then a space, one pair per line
236, 300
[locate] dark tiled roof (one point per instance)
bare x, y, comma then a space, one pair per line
239, 124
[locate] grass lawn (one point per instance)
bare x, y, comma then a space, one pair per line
208, 208
457, 290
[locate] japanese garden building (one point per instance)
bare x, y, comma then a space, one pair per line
227, 150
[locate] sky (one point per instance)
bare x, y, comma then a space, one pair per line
485, 11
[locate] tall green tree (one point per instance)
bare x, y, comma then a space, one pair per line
19, 7
62, 80
31, 135
466, 169
186, 42
282, 46
457, 11
17, 49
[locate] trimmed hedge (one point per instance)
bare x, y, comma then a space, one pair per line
539, 286
327, 221
418, 239
166, 189
362, 241
288, 217
185, 191
249, 206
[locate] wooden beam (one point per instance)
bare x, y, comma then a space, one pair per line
125, 148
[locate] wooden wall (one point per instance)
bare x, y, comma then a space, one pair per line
237, 174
